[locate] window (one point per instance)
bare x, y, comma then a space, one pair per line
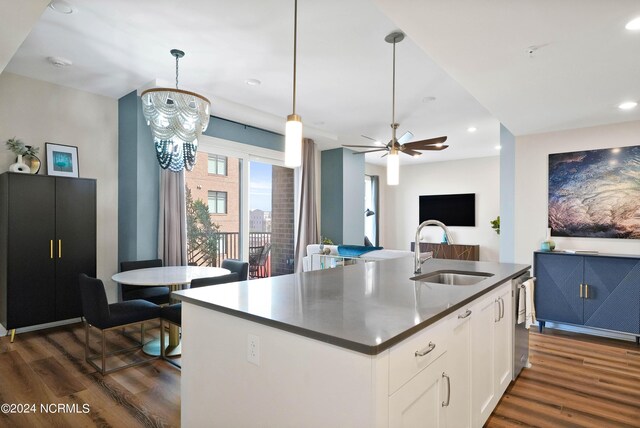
372, 207
217, 165
217, 202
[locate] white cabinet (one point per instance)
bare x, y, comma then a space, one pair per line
421, 401
491, 352
503, 362
458, 413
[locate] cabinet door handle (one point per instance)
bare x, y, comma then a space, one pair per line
581, 291
501, 307
446, 403
465, 315
498, 318
425, 351
51, 248
586, 291
59, 248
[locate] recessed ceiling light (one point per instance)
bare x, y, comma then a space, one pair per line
633, 25
58, 61
472, 129
628, 105
498, 147
61, 6
252, 82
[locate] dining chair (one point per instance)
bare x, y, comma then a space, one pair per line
214, 280
158, 295
258, 269
98, 313
237, 266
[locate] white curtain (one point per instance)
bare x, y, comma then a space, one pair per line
172, 234
307, 232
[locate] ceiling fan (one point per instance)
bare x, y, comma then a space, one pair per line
401, 144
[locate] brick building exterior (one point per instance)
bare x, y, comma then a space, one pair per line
204, 184
282, 224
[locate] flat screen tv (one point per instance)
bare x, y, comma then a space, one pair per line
452, 210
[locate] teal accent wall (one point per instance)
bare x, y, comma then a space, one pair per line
138, 183
342, 196
507, 195
240, 133
331, 208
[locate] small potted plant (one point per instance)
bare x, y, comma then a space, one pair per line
325, 241
28, 152
495, 225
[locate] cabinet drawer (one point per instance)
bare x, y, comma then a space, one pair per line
404, 359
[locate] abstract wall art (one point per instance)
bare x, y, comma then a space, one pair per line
595, 193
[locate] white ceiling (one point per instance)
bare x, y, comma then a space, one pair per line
587, 65
344, 66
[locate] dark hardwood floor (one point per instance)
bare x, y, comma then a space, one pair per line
575, 381
47, 367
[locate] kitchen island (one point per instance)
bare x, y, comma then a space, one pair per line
364, 345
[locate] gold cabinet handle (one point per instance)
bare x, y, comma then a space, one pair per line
51, 248
59, 248
581, 291
586, 291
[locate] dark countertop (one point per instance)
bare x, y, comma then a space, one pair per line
366, 307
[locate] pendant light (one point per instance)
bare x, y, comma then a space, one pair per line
177, 118
393, 161
293, 130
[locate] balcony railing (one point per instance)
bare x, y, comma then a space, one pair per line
229, 248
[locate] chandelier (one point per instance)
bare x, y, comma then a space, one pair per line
177, 118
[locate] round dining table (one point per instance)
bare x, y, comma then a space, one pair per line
175, 277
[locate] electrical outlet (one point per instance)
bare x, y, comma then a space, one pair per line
253, 349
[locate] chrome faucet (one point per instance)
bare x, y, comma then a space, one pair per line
417, 261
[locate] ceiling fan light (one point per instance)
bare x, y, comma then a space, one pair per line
293, 142
633, 25
393, 169
628, 105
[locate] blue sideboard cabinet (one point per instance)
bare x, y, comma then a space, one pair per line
592, 290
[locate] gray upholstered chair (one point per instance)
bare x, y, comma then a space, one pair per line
214, 280
237, 266
158, 295
98, 313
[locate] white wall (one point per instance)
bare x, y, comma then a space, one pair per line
37, 112
479, 175
532, 185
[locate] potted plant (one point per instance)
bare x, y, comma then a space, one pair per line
28, 152
495, 225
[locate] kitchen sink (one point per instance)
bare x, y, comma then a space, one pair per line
452, 277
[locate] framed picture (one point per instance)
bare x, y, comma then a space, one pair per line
62, 160
595, 193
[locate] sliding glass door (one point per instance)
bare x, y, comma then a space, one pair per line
271, 220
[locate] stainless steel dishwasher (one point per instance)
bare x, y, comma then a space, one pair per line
520, 333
